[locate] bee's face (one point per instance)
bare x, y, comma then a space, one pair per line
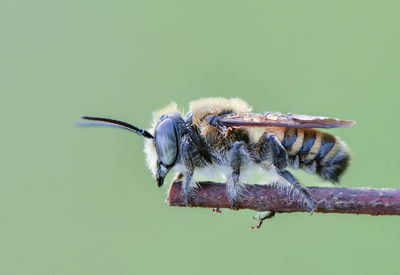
162, 141
166, 143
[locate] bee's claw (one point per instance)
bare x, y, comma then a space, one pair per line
259, 222
216, 210
234, 205
261, 217
188, 201
311, 206
257, 226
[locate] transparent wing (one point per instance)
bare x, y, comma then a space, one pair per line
278, 120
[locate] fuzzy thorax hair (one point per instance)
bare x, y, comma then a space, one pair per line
200, 109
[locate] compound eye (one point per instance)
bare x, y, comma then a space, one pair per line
166, 143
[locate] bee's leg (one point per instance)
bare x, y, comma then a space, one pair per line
271, 149
188, 184
261, 217
289, 177
187, 187
217, 210
237, 156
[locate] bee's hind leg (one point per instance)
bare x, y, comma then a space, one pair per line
271, 149
237, 156
262, 216
300, 188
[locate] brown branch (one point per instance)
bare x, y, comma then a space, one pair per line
280, 199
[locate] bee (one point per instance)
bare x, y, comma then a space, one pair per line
223, 136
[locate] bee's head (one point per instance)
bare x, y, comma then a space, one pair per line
166, 145
161, 145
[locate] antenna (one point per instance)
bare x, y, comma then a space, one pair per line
101, 121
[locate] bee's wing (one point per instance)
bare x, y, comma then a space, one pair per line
278, 120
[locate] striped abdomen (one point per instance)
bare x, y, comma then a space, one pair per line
316, 152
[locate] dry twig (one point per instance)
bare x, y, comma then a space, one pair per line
281, 199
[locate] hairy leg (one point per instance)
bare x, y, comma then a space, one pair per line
188, 187
188, 151
237, 156
289, 177
271, 149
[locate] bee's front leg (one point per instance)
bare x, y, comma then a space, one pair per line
187, 187
237, 156
188, 183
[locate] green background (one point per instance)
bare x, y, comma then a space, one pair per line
81, 201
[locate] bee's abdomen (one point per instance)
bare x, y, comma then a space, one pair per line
316, 152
